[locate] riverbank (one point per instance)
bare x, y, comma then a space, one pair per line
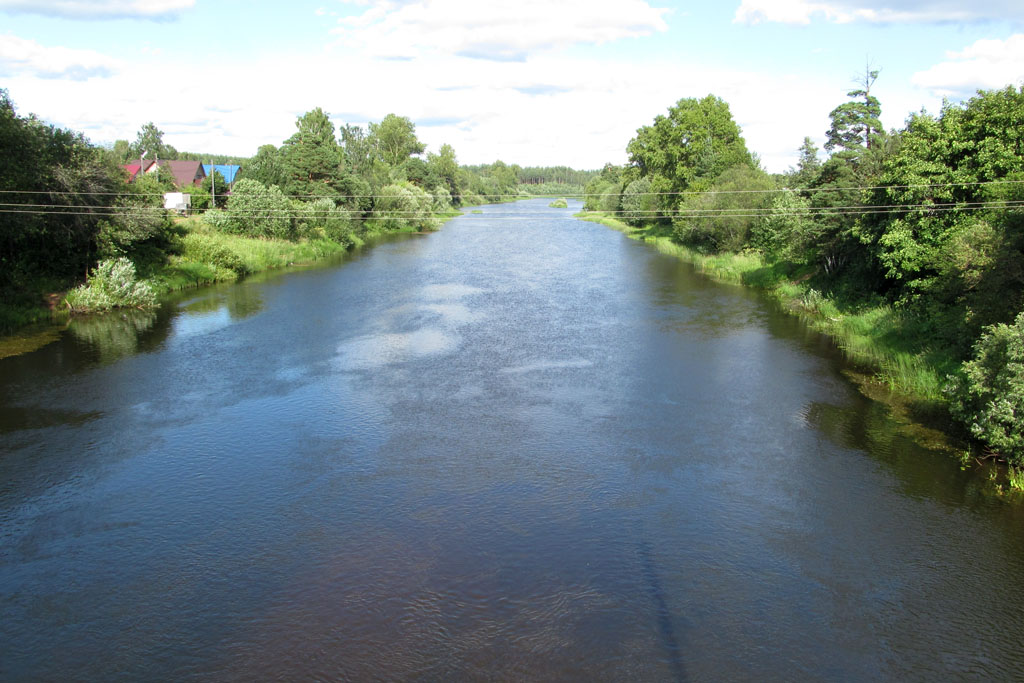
891, 363
204, 256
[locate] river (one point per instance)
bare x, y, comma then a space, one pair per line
523, 447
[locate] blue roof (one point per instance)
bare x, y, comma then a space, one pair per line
229, 171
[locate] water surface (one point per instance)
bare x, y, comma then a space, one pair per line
522, 447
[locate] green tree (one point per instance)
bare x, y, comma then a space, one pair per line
150, 141
394, 140
855, 124
266, 167
721, 219
445, 167
958, 240
255, 210
988, 394
639, 204
808, 166
691, 146
311, 158
403, 205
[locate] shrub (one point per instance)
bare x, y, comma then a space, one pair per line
404, 205
322, 219
112, 285
988, 395
255, 210
639, 203
206, 249
559, 204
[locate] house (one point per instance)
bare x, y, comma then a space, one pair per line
146, 165
183, 172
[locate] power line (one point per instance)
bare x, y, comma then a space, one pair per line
579, 194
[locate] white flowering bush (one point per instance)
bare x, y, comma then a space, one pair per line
112, 285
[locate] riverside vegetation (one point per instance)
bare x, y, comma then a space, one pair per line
904, 245
74, 219
907, 246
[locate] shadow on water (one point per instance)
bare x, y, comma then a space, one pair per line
666, 629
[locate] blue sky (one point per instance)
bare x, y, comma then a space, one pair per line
535, 82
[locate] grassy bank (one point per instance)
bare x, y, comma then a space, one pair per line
208, 256
875, 337
201, 255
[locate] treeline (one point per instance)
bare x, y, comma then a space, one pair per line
916, 235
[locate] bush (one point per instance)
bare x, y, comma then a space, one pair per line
201, 248
721, 220
639, 203
112, 285
255, 210
988, 395
404, 206
323, 219
559, 204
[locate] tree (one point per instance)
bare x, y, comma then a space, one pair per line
256, 211
394, 140
311, 158
721, 219
445, 167
150, 141
988, 394
216, 187
691, 146
855, 124
808, 166
957, 243
639, 204
266, 167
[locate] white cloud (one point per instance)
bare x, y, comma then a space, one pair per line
495, 31
986, 64
98, 9
877, 11
552, 109
23, 56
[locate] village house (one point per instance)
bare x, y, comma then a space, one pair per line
184, 172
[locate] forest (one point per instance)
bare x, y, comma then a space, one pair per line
906, 245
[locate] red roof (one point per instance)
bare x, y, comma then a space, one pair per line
184, 172
133, 169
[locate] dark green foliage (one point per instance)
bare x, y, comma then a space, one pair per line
721, 219
215, 188
266, 167
988, 396
311, 159
855, 123
59, 185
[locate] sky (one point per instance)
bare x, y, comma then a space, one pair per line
531, 82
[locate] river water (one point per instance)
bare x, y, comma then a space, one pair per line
524, 447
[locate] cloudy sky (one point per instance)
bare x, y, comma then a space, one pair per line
533, 82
